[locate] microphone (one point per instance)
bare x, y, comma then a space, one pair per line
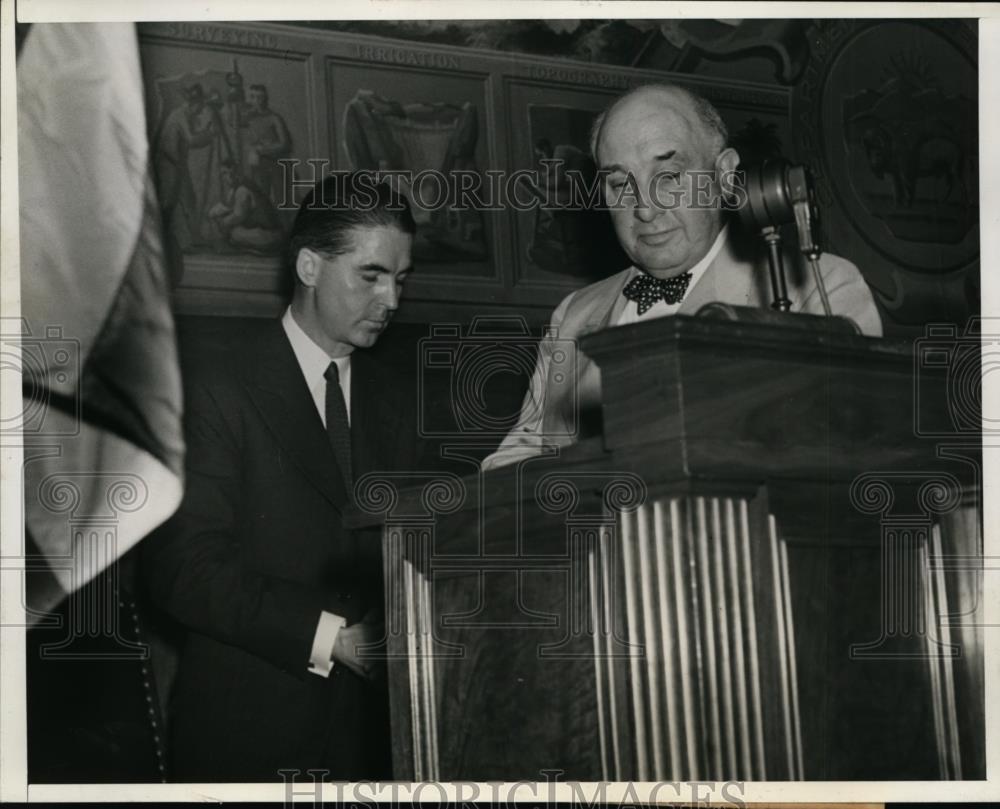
776, 193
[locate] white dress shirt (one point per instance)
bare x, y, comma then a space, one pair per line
630, 314
313, 361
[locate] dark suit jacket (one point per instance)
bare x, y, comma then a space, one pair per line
255, 553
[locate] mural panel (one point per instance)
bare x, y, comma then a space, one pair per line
219, 125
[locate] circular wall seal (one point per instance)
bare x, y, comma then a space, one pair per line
894, 109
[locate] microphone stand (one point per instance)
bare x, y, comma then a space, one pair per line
779, 289
778, 192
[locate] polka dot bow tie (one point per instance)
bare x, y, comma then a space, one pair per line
646, 290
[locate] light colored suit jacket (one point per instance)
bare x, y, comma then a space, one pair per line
567, 383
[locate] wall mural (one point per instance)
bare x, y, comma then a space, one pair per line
216, 146
893, 146
909, 145
675, 45
574, 242
426, 140
895, 152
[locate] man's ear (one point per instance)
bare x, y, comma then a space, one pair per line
725, 168
307, 267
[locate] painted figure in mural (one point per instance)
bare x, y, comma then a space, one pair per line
244, 215
266, 142
188, 127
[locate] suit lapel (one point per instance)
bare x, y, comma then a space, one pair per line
586, 376
377, 408
279, 392
604, 316
729, 279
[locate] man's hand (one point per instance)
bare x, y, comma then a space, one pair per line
360, 647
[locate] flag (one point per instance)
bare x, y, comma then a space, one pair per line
101, 421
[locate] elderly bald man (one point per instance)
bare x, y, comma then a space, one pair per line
653, 145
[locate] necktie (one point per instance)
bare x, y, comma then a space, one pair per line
646, 290
337, 425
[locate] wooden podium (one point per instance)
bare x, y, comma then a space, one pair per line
763, 570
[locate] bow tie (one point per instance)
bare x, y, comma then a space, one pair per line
646, 290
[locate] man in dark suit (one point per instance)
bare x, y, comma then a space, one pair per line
277, 596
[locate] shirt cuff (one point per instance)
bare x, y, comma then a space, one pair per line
321, 656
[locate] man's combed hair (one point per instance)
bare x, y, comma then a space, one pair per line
338, 204
706, 113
